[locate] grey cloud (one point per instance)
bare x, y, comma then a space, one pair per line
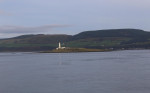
2, 12
29, 30
5, 13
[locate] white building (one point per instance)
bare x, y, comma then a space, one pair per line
59, 46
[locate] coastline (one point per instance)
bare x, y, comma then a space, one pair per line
75, 50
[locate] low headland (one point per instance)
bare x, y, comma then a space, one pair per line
87, 41
74, 50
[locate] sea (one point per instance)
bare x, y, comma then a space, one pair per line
126, 71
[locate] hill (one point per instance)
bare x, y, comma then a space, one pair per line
136, 33
99, 39
112, 38
32, 42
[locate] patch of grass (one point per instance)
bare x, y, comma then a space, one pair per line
75, 50
95, 42
26, 45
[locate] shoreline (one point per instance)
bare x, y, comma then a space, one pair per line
95, 50
51, 51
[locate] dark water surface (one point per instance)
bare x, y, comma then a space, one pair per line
100, 72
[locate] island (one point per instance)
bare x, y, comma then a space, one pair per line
61, 49
73, 50
87, 41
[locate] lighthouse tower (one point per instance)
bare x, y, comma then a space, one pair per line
59, 46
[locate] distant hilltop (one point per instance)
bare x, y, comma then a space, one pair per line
98, 39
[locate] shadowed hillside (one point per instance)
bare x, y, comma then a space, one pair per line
36, 39
32, 42
133, 33
99, 39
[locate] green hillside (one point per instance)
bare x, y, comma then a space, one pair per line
36, 39
99, 39
112, 33
113, 38
32, 42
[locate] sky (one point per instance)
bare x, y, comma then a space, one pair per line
18, 17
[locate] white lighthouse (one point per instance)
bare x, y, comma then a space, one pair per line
59, 46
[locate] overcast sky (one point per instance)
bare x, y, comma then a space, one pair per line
19, 17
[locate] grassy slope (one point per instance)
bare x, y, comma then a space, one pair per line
33, 41
116, 38
91, 42
75, 50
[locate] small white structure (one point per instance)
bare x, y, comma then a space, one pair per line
59, 46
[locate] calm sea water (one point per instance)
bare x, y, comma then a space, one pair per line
96, 72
